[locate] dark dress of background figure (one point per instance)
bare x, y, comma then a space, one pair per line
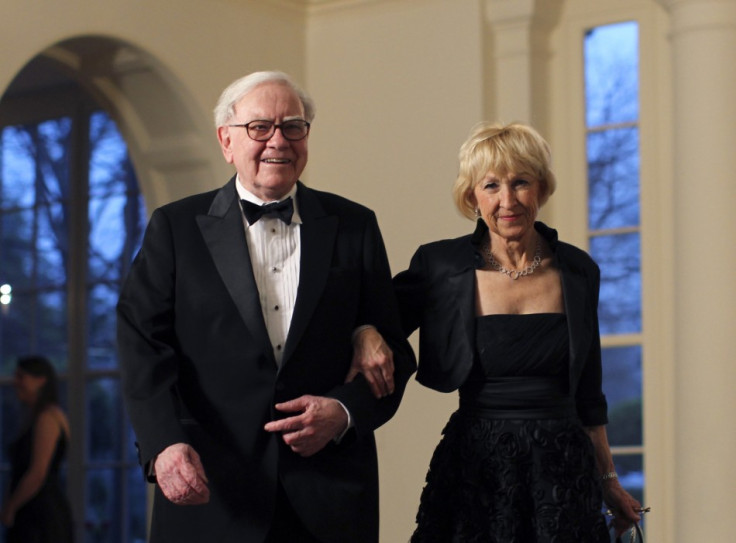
35, 508
46, 518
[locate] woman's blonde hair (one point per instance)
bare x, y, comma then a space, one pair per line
502, 149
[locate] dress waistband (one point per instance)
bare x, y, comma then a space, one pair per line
518, 398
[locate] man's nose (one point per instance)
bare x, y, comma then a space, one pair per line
277, 139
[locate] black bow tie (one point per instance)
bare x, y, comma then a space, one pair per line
281, 210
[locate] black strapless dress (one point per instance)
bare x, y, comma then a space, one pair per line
514, 464
45, 518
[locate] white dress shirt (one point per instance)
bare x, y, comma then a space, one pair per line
275, 252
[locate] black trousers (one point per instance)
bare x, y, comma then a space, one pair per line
287, 527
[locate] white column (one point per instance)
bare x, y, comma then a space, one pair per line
518, 33
703, 40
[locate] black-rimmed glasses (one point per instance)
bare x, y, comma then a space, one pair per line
261, 130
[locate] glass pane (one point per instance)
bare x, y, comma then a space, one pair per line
34, 323
50, 327
116, 231
16, 249
137, 504
613, 178
17, 169
109, 167
103, 507
619, 308
52, 140
52, 244
630, 469
15, 336
35, 163
116, 212
104, 424
101, 350
106, 238
622, 387
612, 74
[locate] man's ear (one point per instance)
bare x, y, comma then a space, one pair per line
223, 136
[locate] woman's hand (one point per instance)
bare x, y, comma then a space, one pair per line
375, 360
625, 508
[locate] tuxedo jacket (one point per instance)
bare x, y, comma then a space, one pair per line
437, 295
198, 366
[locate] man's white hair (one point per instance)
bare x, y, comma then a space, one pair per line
225, 108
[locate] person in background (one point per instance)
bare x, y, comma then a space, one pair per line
508, 316
36, 509
235, 330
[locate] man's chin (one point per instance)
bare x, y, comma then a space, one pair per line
271, 189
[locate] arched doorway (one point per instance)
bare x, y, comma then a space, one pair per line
87, 129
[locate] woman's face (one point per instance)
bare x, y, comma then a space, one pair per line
27, 386
508, 204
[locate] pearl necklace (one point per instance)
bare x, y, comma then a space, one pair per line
513, 274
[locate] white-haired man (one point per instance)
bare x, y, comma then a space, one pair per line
235, 333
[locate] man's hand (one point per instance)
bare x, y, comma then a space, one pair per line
375, 360
318, 420
180, 475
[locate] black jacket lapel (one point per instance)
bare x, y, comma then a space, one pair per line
318, 232
223, 231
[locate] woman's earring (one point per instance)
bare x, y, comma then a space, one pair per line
477, 213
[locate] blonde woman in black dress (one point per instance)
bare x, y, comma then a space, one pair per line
508, 316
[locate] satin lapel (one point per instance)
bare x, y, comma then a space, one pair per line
224, 234
318, 232
574, 294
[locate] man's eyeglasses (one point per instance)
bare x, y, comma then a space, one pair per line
260, 130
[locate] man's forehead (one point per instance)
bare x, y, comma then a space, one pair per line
264, 97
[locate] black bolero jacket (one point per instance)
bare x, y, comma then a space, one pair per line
437, 295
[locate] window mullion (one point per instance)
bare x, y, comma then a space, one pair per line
77, 307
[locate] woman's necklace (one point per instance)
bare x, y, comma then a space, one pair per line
514, 274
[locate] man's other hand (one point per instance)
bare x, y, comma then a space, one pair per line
180, 475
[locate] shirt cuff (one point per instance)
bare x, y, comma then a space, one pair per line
339, 438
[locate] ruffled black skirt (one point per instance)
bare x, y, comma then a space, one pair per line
512, 481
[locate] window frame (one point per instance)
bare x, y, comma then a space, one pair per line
35, 107
567, 210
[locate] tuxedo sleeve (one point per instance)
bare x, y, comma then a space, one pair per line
377, 307
147, 342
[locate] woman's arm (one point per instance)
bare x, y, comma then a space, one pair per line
45, 437
626, 508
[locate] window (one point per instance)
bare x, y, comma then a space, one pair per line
612, 133
71, 218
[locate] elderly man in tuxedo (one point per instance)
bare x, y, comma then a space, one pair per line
235, 329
